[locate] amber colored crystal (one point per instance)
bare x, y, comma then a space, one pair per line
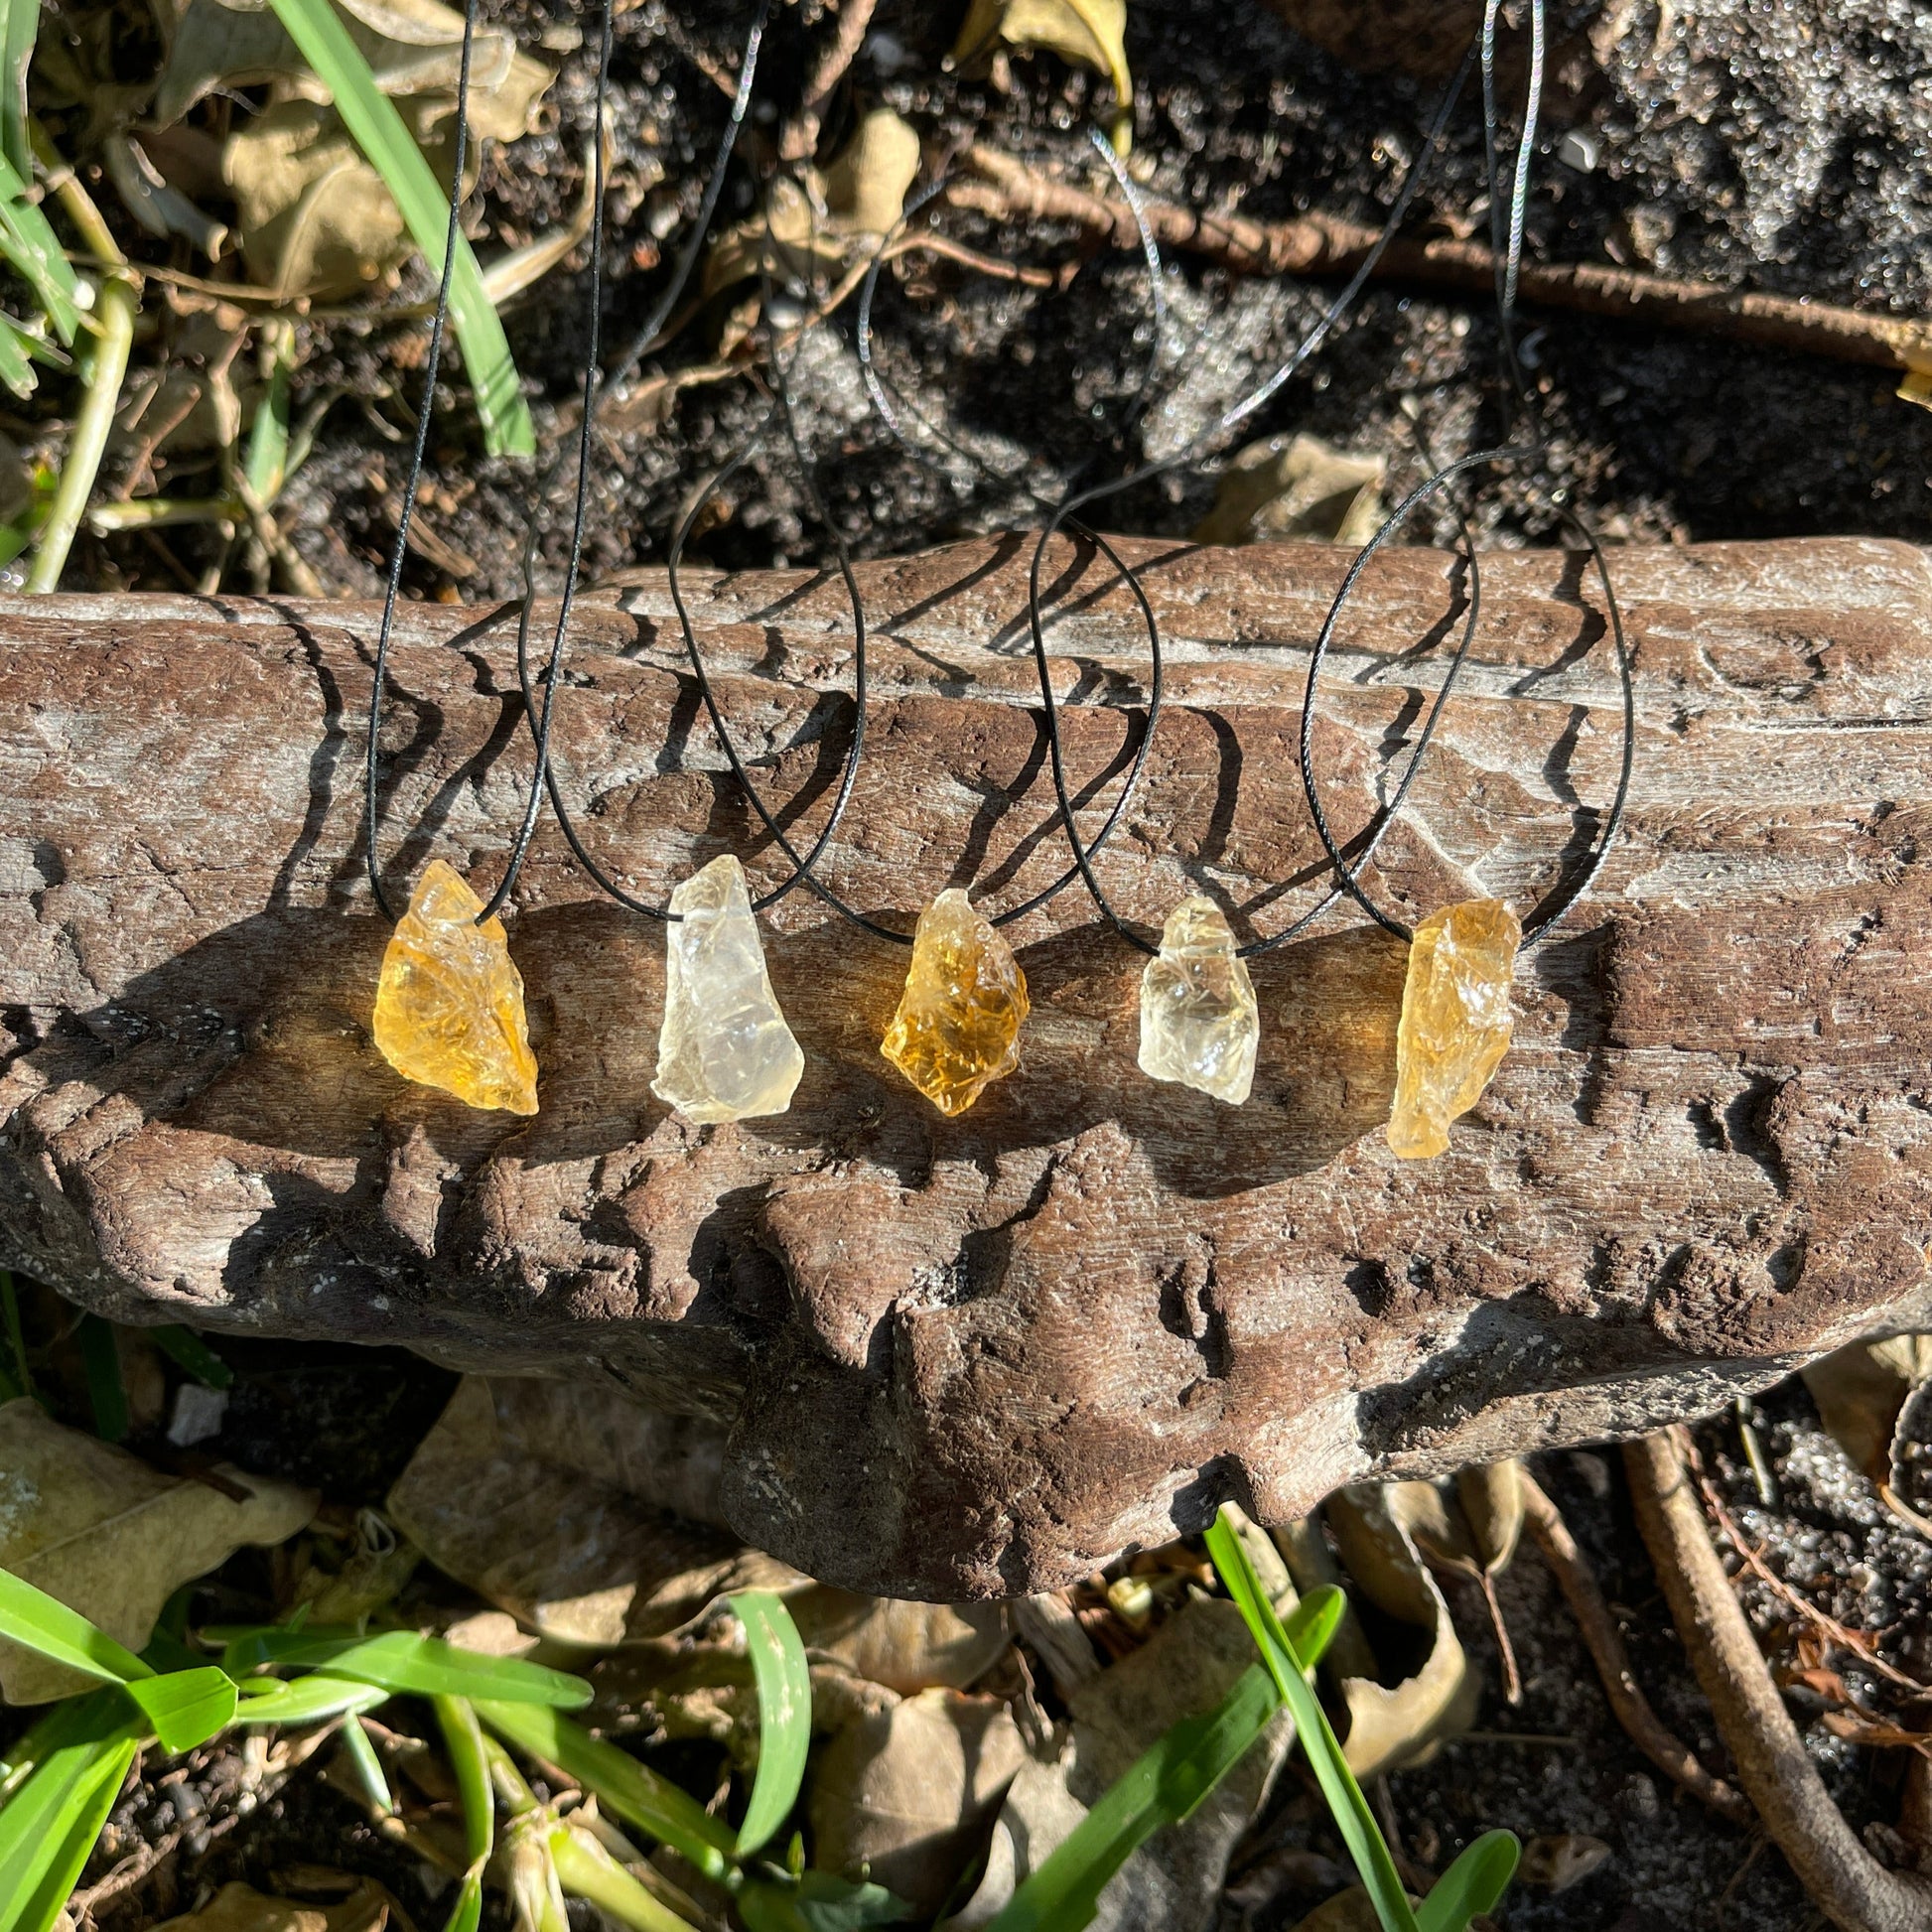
1455, 1020
449, 1009
958, 1023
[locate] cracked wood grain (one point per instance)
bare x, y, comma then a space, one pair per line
979, 1357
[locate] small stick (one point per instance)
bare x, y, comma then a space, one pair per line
1855, 1641
1323, 244
1844, 1880
800, 137
1604, 1642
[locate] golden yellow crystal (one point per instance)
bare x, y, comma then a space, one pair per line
1455, 1020
449, 1009
957, 1027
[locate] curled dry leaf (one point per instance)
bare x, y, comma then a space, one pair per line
112, 1538
1296, 489
242, 1908
1172, 1883
1560, 1859
571, 1557
315, 219
906, 1646
810, 227
1089, 33
1407, 1723
904, 1794
1860, 1390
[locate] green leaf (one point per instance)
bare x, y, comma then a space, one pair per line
371, 118
42, 1623
784, 1687
1160, 1787
308, 1701
1313, 1622
404, 1662
186, 1350
463, 1740
106, 1390
1349, 1809
49, 1826
268, 440
632, 1791
585, 1869
818, 1901
19, 27
186, 1707
28, 243
1474, 1884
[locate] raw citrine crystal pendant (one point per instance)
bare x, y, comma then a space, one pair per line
957, 1027
724, 1051
1455, 1020
1199, 1024
449, 1009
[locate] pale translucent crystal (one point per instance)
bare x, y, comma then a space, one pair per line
1455, 1020
724, 1051
957, 1027
448, 1008
1199, 1024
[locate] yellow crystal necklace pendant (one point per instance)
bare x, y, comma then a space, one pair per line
1199, 1024
448, 1008
1455, 1020
957, 1027
724, 1051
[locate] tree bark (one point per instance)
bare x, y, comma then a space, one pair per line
981, 1355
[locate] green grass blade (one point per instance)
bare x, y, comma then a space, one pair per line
784, 1687
92, 1801
367, 1768
308, 1701
1349, 1809
1474, 1884
19, 26
186, 1707
28, 241
403, 1663
1160, 1787
1312, 1625
49, 1826
629, 1790
17, 358
464, 1740
371, 118
268, 437
189, 1353
106, 1390
42, 1623
585, 1869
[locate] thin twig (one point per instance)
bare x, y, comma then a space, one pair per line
1604, 1642
1323, 244
1856, 1642
800, 137
1847, 1884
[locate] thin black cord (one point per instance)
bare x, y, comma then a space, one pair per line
413, 480
580, 511
1509, 245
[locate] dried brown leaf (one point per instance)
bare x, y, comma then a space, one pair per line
112, 1538
1296, 489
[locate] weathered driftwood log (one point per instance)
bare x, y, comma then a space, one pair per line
981, 1355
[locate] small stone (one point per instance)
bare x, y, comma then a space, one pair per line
1455, 1020
724, 1051
448, 1008
957, 1027
1199, 1024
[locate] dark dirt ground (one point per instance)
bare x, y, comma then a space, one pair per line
1779, 147
1785, 147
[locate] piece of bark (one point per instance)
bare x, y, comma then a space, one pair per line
981, 1355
